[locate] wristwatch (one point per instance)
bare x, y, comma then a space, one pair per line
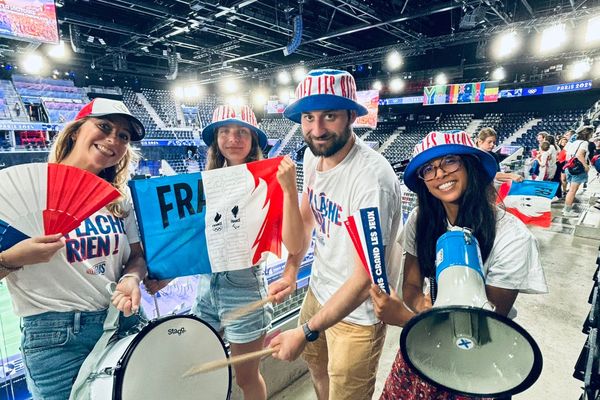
310, 336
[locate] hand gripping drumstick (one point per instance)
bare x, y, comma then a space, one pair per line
234, 315
213, 365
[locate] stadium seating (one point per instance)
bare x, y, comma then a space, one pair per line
164, 104
553, 123
506, 124
276, 128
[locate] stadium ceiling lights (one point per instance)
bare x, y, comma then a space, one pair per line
259, 98
33, 63
553, 38
58, 51
396, 85
593, 30
284, 77
579, 69
441, 79
299, 73
394, 61
284, 95
506, 44
230, 85
377, 85
499, 74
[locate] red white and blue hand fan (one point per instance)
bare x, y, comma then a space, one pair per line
43, 199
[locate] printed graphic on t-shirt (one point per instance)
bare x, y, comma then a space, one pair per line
97, 236
325, 210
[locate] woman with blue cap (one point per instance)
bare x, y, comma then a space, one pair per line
454, 185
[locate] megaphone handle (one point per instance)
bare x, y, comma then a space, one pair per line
464, 326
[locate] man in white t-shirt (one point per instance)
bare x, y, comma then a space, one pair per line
339, 335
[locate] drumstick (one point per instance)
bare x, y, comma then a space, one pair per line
213, 365
156, 306
247, 309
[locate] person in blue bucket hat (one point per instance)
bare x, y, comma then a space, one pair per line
453, 181
339, 335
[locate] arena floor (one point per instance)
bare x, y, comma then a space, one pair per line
554, 320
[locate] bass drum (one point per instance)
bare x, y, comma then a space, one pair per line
150, 365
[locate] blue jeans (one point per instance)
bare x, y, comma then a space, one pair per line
223, 292
55, 344
579, 178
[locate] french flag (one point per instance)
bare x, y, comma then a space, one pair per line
220, 220
530, 201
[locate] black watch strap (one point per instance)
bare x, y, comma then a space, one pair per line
310, 336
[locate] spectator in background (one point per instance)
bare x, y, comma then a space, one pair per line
486, 141
17, 109
579, 149
547, 164
570, 135
560, 163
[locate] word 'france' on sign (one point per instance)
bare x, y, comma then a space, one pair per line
219, 220
364, 228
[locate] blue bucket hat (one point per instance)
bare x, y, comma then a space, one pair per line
325, 89
225, 115
439, 144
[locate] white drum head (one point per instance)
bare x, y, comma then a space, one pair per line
153, 365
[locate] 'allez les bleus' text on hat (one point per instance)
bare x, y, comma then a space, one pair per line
325, 89
225, 115
100, 107
439, 144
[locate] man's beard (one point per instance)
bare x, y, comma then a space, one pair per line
335, 144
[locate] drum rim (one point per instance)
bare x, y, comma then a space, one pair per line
119, 371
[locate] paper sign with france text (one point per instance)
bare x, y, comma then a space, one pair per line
219, 220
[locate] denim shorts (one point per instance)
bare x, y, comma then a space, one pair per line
222, 292
579, 178
55, 344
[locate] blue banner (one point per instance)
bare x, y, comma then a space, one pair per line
549, 89
171, 142
171, 213
401, 100
568, 87
534, 91
29, 126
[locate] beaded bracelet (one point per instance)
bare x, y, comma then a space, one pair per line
6, 266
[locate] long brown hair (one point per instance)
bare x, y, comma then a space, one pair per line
117, 175
215, 159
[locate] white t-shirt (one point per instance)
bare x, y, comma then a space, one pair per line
547, 165
75, 278
514, 261
363, 179
576, 146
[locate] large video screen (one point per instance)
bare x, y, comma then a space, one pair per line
31, 20
462, 93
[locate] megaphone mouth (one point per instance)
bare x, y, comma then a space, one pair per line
449, 344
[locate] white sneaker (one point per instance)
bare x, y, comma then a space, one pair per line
554, 199
570, 214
